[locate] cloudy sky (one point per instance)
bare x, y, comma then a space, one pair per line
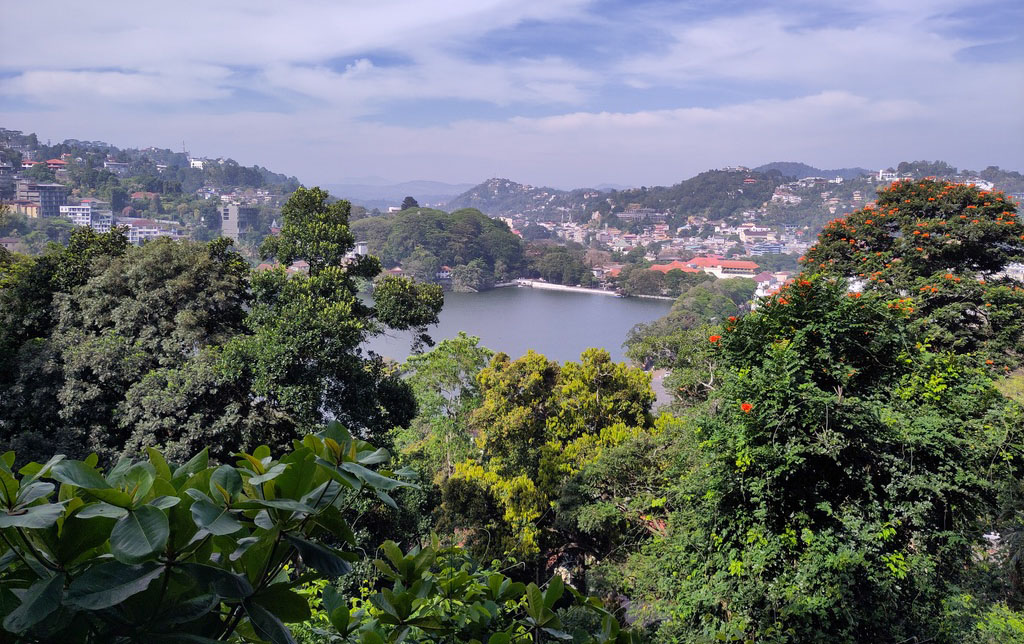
556, 92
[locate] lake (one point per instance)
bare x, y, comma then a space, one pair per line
558, 324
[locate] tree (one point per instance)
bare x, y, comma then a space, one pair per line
534, 231
471, 277
641, 280
422, 265
538, 423
409, 202
314, 230
168, 552
943, 245
444, 381
836, 487
111, 348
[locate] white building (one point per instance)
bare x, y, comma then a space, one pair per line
196, 164
140, 230
92, 213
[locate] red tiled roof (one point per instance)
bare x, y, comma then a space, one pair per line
714, 261
676, 265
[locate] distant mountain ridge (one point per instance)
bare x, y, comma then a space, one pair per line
713, 193
799, 170
372, 194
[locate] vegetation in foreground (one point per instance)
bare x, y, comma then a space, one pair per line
838, 466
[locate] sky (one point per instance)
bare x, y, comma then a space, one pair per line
565, 93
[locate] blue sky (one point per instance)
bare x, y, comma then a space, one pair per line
558, 92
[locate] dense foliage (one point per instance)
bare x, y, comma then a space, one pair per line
424, 237
942, 245
111, 348
156, 552
841, 470
151, 551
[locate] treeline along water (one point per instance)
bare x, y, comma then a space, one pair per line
558, 324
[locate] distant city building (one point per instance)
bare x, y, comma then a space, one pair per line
115, 167
140, 230
636, 212
27, 208
236, 219
92, 213
196, 164
48, 196
766, 249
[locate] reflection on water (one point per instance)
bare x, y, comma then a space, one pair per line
560, 325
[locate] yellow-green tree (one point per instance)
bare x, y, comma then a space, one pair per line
538, 424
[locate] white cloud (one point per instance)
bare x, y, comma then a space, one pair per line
882, 85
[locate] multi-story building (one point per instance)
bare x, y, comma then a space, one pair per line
48, 196
90, 212
236, 219
140, 230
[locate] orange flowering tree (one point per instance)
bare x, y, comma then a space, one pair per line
944, 245
837, 484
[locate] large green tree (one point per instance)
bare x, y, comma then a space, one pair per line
114, 348
836, 486
538, 423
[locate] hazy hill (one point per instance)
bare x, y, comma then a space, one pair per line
372, 194
715, 193
799, 170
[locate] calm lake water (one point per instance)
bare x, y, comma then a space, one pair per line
558, 324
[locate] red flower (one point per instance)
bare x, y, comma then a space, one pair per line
746, 407
732, 318
715, 338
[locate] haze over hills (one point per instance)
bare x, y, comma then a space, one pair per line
799, 170
373, 192
715, 192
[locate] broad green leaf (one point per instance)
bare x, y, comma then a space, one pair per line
320, 557
534, 602
79, 474
289, 606
298, 478
276, 504
337, 609
340, 475
163, 470
372, 458
554, 591
196, 464
8, 488
164, 502
190, 610
269, 475
213, 518
101, 509
41, 599
32, 471
79, 537
267, 625
34, 491
111, 583
228, 479
112, 496
323, 495
139, 535
224, 583
373, 479
36, 516
138, 480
